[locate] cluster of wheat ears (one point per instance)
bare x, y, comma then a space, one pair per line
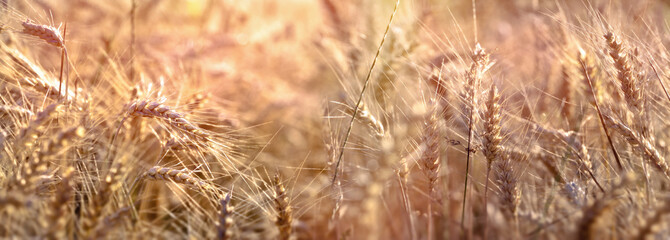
523, 119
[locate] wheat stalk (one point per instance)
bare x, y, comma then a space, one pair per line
480, 64
362, 93
587, 73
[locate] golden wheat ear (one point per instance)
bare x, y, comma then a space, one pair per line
225, 224
154, 109
45, 32
177, 176
284, 217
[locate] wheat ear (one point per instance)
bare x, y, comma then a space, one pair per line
430, 158
12, 199
29, 133
47, 33
430, 161
60, 142
108, 185
366, 117
507, 182
52, 36
284, 217
146, 108
16, 109
225, 224
644, 148
491, 141
57, 211
33, 166
570, 138
177, 176
110, 221
565, 92
629, 82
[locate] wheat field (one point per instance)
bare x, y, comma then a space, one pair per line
334, 119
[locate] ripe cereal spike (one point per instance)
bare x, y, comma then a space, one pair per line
178, 176
47, 33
